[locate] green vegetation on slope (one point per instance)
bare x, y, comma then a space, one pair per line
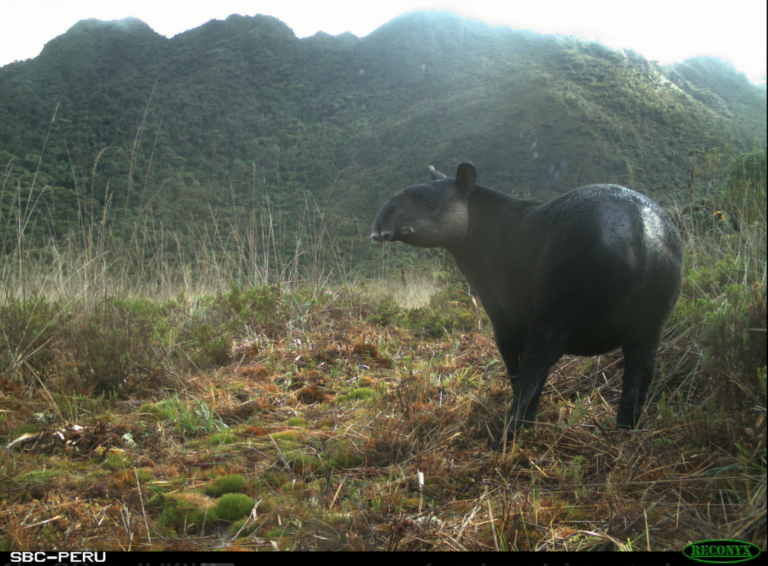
116, 131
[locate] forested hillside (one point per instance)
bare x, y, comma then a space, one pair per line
241, 126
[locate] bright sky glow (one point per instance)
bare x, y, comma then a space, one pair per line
667, 31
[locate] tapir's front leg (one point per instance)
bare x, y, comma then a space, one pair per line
510, 340
543, 347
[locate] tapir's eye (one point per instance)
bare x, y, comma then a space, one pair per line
429, 206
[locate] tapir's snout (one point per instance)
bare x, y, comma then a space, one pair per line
383, 227
379, 237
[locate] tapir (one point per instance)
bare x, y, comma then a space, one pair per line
596, 268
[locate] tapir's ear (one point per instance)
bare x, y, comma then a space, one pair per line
436, 175
466, 176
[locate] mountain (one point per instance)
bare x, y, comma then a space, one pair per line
240, 119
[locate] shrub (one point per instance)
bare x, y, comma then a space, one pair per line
745, 186
723, 304
184, 512
363, 393
733, 337
212, 346
303, 463
115, 349
231, 483
30, 331
242, 528
253, 311
231, 507
342, 453
450, 310
385, 312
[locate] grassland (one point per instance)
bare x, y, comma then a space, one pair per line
205, 402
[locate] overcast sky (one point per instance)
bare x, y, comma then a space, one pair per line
663, 30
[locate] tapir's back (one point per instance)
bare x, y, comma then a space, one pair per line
612, 256
609, 220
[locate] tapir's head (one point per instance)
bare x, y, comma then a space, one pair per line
432, 215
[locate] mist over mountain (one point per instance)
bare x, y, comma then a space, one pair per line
114, 123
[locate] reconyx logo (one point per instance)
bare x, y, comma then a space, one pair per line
721, 551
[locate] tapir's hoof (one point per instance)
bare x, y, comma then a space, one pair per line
513, 429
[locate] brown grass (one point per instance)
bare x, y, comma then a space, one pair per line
570, 483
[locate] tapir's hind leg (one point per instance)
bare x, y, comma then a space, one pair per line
639, 364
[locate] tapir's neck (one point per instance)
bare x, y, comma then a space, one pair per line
493, 218
497, 229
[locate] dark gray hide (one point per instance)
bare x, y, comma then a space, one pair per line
594, 269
